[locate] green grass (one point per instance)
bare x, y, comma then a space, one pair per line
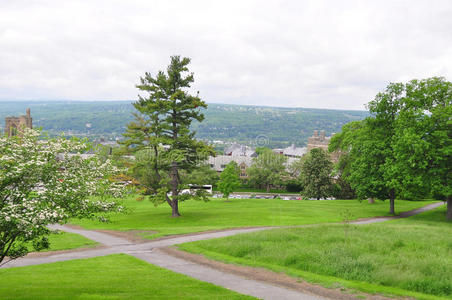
218, 214
65, 240
109, 277
410, 257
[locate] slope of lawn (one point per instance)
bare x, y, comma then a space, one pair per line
218, 214
109, 277
410, 256
66, 240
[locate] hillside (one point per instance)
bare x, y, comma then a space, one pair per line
276, 126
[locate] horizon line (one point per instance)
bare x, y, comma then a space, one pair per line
208, 103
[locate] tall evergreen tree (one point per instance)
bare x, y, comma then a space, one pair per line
316, 174
162, 125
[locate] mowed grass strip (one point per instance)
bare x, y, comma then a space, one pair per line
66, 241
410, 256
218, 214
109, 277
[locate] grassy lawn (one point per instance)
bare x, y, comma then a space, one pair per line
65, 240
218, 214
109, 277
411, 257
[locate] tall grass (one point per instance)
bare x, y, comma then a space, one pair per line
414, 254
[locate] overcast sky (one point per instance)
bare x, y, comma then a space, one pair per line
321, 54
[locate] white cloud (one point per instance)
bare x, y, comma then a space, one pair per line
333, 54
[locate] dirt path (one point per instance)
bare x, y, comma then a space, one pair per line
246, 280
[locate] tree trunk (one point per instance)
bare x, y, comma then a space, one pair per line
175, 209
391, 202
371, 200
449, 208
391, 206
268, 188
174, 191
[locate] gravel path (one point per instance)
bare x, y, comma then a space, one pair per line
149, 252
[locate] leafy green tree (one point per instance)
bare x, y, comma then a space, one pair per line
403, 150
423, 142
267, 169
370, 143
260, 150
229, 179
202, 175
316, 174
293, 185
381, 131
162, 125
352, 134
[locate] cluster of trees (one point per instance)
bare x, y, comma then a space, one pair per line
312, 175
268, 169
404, 148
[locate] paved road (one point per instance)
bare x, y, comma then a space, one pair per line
149, 252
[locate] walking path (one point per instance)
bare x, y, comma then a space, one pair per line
404, 214
149, 252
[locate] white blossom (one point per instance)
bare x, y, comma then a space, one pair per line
48, 181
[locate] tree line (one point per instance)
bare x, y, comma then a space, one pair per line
402, 150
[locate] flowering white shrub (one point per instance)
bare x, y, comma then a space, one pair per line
48, 181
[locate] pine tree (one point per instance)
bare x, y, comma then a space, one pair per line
316, 174
162, 125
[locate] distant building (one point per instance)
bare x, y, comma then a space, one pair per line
15, 125
318, 141
219, 162
239, 150
292, 151
321, 141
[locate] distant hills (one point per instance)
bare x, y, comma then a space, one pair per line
253, 125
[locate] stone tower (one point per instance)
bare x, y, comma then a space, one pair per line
14, 125
321, 141
318, 141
